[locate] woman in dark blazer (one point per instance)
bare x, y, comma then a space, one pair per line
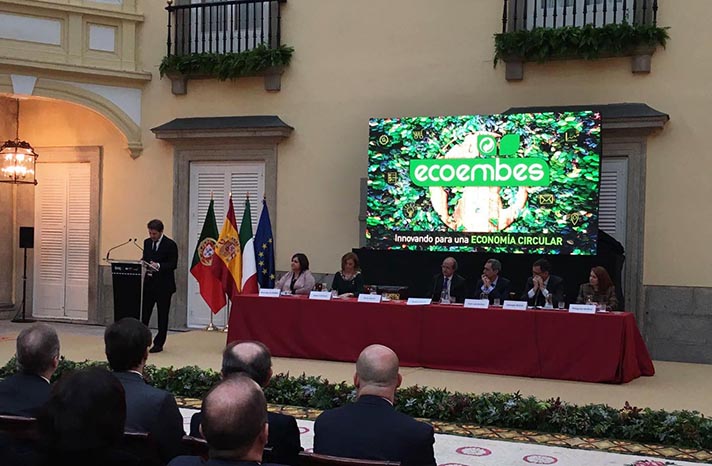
599, 289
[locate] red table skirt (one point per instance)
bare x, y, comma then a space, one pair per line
533, 343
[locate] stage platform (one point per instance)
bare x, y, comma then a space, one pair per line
674, 386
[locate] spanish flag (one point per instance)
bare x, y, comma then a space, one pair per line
229, 268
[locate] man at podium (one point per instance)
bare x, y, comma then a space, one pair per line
160, 253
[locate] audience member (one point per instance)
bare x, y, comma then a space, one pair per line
599, 289
542, 286
371, 428
348, 281
37, 358
299, 280
253, 359
148, 409
491, 286
450, 281
83, 421
234, 424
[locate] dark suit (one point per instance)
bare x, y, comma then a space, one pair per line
198, 461
372, 429
23, 394
555, 287
149, 409
158, 287
457, 287
283, 436
500, 291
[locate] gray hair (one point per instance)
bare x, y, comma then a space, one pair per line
37, 347
496, 265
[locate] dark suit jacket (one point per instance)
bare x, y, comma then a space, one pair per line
555, 286
372, 429
457, 287
501, 290
283, 436
149, 409
167, 255
22, 394
198, 461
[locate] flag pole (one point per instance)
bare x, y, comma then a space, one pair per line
211, 327
227, 321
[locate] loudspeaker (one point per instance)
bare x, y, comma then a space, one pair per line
27, 237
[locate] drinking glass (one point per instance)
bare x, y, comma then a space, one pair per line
495, 302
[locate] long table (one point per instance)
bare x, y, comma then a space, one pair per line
534, 343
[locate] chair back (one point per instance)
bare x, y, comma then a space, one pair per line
19, 427
141, 445
314, 459
195, 446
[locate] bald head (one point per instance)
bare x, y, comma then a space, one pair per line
377, 366
234, 418
251, 358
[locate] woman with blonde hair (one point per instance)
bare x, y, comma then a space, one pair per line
348, 281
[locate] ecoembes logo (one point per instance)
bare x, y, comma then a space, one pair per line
483, 172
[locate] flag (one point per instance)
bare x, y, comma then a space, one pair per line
264, 250
247, 245
229, 267
203, 259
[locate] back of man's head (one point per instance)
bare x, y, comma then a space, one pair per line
234, 418
125, 343
251, 358
37, 349
377, 370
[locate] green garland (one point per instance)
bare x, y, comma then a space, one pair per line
544, 44
227, 65
686, 429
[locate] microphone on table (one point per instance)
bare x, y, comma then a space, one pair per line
117, 246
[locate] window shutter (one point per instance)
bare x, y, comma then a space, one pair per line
612, 201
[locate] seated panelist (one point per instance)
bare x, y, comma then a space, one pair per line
491, 286
299, 280
348, 281
599, 289
543, 286
448, 279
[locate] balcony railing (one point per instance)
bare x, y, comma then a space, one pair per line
530, 14
215, 26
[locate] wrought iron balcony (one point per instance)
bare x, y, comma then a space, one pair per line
222, 26
530, 14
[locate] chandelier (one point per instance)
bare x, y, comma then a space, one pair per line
17, 159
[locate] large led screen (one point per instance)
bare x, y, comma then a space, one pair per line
519, 183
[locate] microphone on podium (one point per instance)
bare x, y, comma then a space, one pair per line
117, 246
136, 244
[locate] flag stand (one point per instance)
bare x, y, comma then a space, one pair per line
211, 327
228, 320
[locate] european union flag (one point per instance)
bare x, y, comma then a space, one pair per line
264, 250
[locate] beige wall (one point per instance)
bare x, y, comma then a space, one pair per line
355, 60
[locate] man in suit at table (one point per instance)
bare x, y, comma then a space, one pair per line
454, 283
371, 428
23, 393
542, 285
159, 284
491, 284
253, 359
148, 409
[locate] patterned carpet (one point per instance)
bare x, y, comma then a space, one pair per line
661, 455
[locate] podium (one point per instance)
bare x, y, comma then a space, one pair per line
127, 281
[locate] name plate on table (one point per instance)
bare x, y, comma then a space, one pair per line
477, 303
320, 295
369, 298
514, 305
269, 293
419, 301
583, 308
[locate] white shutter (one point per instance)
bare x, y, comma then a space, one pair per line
612, 202
220, 179
50, 250
61, 261
77, 259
